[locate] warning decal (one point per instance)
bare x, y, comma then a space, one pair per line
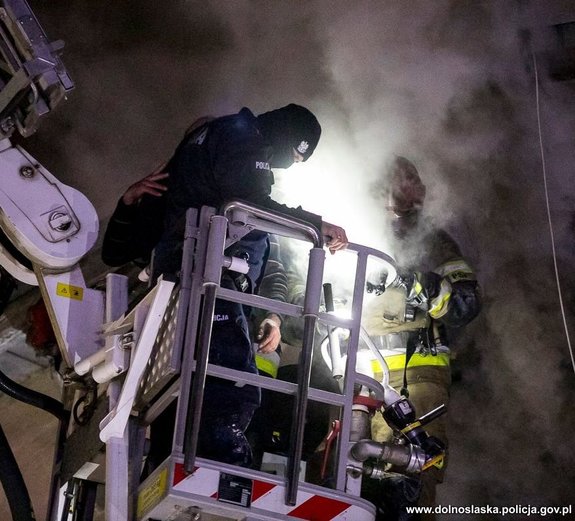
150, 496
69, 291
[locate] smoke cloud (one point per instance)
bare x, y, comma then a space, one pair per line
450, 84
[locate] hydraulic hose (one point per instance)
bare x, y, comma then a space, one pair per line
13, 483
10, 475
31, 397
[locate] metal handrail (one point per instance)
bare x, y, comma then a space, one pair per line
278, 222
240, 213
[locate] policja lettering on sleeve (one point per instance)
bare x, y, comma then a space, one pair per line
262, 165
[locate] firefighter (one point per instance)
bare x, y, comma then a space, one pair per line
220, 159
441, 295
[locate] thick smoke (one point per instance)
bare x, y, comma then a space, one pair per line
450, 85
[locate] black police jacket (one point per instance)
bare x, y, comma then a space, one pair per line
225, 159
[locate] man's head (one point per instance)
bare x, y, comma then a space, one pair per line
405, 195
292, 131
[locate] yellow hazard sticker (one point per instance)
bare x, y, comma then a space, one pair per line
151, 495
437, 461
69, 291
410, 427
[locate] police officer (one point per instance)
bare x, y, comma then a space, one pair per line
219, 160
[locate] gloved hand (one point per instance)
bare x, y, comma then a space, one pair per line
269, 335
376, 283
430, 282
434, 451
420, 287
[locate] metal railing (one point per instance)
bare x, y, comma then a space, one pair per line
204, 245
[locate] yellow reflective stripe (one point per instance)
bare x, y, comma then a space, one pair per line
453, 266
440, 303
266, 366
410, 427
417, 287
437, 462
456, 270
396, 362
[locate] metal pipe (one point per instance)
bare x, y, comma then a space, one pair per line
391, 265
311, 310
191, 279
409, 457
343, 441
199, 380
212, 273
365, 449
337, 368
432, 415
300, 410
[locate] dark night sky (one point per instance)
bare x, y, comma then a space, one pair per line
448, 83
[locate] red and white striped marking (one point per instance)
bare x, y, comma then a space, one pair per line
270, 497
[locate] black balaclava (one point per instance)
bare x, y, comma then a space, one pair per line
290, 128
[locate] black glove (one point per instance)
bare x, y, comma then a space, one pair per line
420, 286
376, 283
431, 283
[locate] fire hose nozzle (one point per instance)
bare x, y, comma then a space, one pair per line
411, 458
